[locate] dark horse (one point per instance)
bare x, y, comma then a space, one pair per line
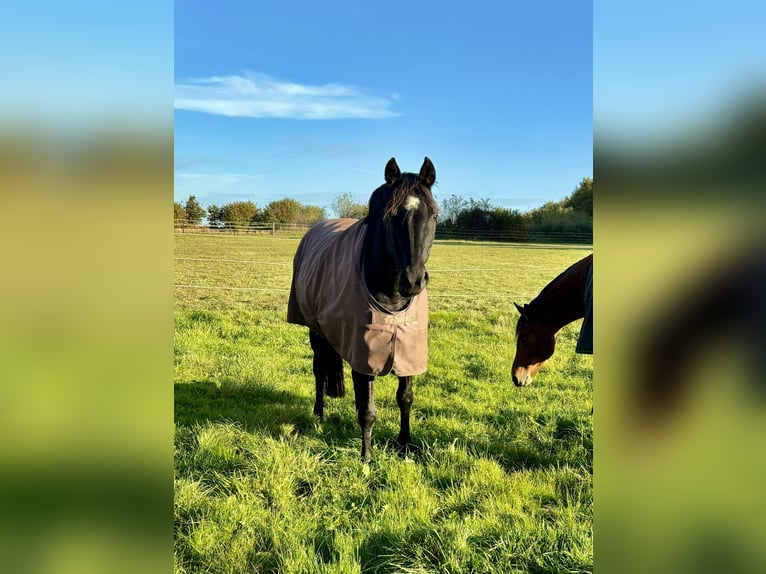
561, 301
360, 287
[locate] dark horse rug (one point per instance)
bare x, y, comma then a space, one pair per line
329, 296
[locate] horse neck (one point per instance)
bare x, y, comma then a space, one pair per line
380, 270
561, 301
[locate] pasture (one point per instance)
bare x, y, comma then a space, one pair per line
501, 481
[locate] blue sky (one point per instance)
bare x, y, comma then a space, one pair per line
309, 99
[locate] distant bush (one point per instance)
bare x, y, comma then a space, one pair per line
568, 220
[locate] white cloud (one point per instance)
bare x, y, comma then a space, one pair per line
261, 96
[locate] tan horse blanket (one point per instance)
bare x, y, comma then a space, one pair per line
329, 296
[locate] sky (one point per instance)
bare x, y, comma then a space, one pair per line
309, 100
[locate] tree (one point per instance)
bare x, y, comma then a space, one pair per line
478, 218
451, 208
482, 204
476, 214
194, 211
214, 215
239, 212
473, 219
507, 220
344, 206
179, 213
311, 214
549, 211
581, 199
285, 210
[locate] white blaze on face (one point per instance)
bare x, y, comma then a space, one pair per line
411, 203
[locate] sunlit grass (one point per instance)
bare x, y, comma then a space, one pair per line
502, 480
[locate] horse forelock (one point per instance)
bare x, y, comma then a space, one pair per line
409, 185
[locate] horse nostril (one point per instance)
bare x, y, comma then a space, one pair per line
413, 282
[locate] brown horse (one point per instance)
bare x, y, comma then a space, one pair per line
561, 301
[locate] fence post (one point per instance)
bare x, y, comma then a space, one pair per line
273, 230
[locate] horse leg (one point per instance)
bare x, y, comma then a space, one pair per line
404, 400
328, 372
366, 413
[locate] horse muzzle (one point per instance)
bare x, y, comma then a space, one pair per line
522, 379
413, 283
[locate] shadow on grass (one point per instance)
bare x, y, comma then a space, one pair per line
262, 408
254, 406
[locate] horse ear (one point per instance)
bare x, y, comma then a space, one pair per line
522, 310
428, 172
392, 172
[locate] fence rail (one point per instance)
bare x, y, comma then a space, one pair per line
298, 229
518, 235
233, 227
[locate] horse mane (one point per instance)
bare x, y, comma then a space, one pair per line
386, 201
531, 308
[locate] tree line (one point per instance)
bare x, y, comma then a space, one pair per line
570, 219
243, 213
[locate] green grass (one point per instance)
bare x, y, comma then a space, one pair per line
501, 481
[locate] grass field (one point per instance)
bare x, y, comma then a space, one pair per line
502, 480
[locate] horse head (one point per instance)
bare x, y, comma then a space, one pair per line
406, 211
535, 344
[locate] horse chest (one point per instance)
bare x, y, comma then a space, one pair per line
329, 296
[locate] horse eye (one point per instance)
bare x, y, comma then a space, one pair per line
524, 339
